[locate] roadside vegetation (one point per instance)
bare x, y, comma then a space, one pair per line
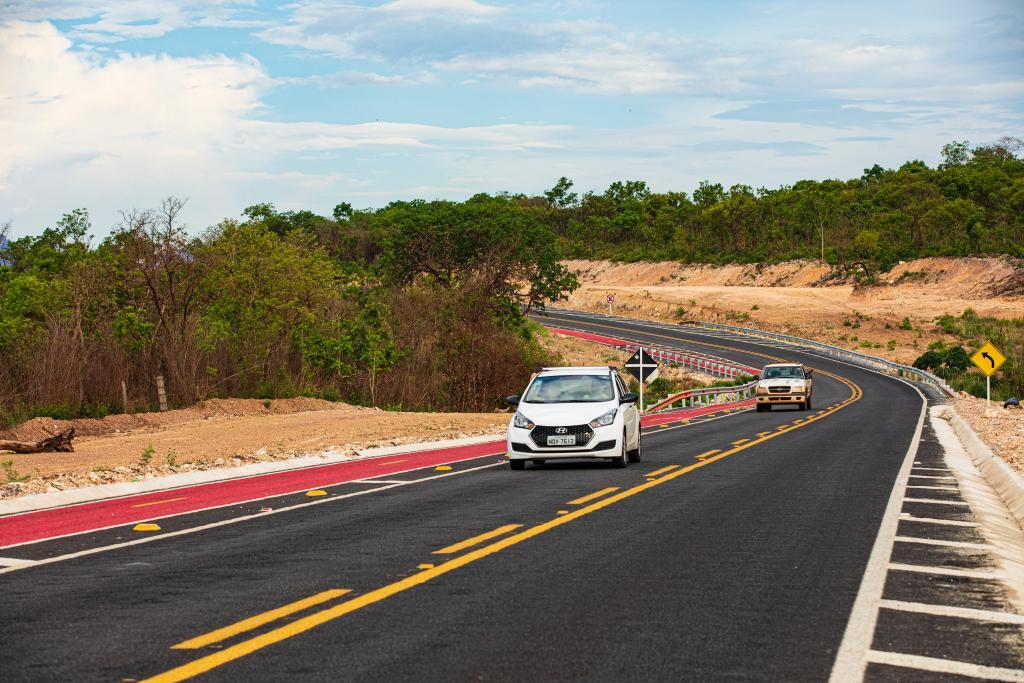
418, 305
952, 362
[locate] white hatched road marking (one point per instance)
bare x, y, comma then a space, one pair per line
947, 666
14, 562
959, 612
947, 544
935, 501
935, 488
931, 520
943, 571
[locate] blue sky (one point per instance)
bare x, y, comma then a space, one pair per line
114, 105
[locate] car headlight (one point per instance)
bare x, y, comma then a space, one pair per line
762, 389
605, 419
520, 421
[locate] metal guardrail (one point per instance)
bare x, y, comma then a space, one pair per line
702, 397
862, 359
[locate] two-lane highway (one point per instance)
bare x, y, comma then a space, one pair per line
736, 549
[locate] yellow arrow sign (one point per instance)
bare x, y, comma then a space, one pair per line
988, 358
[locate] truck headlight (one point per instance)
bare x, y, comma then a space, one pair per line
520, 421
762, 389
605, 419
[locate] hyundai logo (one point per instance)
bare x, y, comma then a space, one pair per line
561, 430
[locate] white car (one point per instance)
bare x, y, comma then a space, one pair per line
583, 412
784, 383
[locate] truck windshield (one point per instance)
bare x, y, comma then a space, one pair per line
570, 389
787, 372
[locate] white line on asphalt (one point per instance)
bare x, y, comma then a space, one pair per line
946, 544
379, 481
244, 518
959, 612
931, 520
14, 562
926, 476
933, 469
942, 571
851, 660
239, 502
935, 488
946, 666
935, 501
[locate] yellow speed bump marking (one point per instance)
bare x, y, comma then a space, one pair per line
316, 492
595, 494
707, 454
158, 502
304, 624
470, 542
663, 470
442, 468
259, 620
146, 526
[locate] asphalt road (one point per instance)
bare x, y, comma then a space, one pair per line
743, 563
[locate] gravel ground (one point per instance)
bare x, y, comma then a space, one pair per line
1001, 429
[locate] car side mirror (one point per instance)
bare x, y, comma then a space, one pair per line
629, 398
512, 400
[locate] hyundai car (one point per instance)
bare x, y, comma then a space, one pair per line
582, 412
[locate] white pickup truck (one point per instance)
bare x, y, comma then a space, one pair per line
784, 383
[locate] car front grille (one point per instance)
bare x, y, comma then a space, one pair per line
779, 390
583, 434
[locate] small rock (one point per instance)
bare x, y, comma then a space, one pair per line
219, 462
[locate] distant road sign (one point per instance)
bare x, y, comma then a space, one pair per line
611, 298
642, 366
988, 358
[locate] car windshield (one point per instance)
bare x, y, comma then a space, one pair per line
570, 389
785, 372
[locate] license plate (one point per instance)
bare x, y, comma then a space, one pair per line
562, 440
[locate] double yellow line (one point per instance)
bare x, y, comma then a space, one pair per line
299, 626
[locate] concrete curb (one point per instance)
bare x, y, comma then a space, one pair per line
1008, 483
88, 494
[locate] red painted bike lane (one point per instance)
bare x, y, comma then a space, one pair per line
77, 518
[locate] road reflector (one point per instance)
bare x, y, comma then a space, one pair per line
563, 512
316, 492
146, 526
988, 359
442, 468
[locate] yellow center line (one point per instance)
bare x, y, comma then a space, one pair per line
470, 542
661, 471
592, 496
244, 648
158, 502
737, 443
259, 620
708, 453
763, 433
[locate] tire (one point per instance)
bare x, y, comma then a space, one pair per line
803, 405
517, 464
635, 455
623, 458
807, 403
539, 462
761, 407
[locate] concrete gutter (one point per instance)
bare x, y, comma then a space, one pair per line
87, 494
1007, 482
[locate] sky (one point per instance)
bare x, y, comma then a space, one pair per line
114, 104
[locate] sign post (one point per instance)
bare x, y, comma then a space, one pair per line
611, 300
644, 368
988, 359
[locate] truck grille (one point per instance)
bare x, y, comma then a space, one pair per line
583, 434
779, 390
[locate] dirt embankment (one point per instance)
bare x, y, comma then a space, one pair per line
804, 299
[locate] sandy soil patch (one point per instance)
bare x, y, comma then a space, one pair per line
801, 299
224, 435
1001, 429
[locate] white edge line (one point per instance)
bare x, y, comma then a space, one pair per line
235, 520
936, 501
239, 502
947, 666
906, 517
950, 611
851, 659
